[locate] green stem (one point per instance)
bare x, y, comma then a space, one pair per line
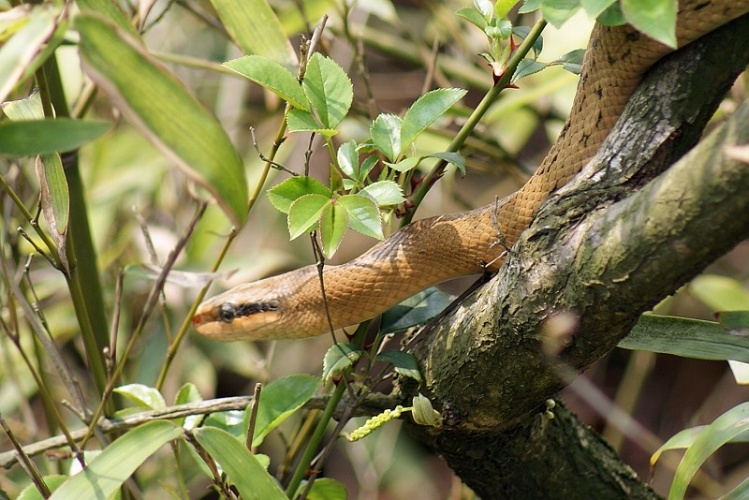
83, 280
315, 440
476, 116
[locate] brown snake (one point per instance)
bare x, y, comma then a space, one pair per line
434, 250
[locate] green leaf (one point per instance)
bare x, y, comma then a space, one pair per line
363, 215
386, 135
472, 16
612, 16
415, 310
256, 29
284, 194
160, 107
111, 10
118, 461
403, 362
406, 164
52, 481
339, 357
38, 137
328, 89
571, 61
557, 12
348, 159
689, 338
325, 488
529, 6
142, 395
523, 32
595, 8
18, 55
679, 441
188, 393
384, 193
655, 18
729, 425
28, 108
54, 196
425, 111
740, 492
452, 158
366, 167
719, 293
305, 213
303, 121
527, 67
503, 7
737, 322
241, 467
271, 75
280, 399
333, 224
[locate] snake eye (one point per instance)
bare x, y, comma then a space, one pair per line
227, 312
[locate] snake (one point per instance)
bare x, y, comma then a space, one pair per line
433, 250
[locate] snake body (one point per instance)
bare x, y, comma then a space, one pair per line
430, 251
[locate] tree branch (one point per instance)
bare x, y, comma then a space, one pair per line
602, 250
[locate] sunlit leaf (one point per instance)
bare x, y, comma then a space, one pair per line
302, 121
348, 159
384, 193
334, 221
284, 194
339, 357
256, 29
720, 293
386, 134
727, 426
558, 11
280, 399
425, 111
241, 467
363, 215
54, 196
162, 109
273, 76
328, 89
655, 18
594, 8
19, 52
325, 488
472, 16
118, 461
304, 214
142, 395
111, 10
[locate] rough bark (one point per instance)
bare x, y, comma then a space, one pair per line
622, 236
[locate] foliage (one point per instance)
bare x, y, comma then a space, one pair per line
81, 146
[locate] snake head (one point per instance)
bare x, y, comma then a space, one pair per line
247, 311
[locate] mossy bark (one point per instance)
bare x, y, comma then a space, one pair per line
627, 232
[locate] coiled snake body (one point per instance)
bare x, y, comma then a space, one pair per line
434, 250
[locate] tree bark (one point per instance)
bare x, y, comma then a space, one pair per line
625, 233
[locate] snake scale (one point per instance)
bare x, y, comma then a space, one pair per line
430, 251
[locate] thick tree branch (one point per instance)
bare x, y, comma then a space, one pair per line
602, 250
